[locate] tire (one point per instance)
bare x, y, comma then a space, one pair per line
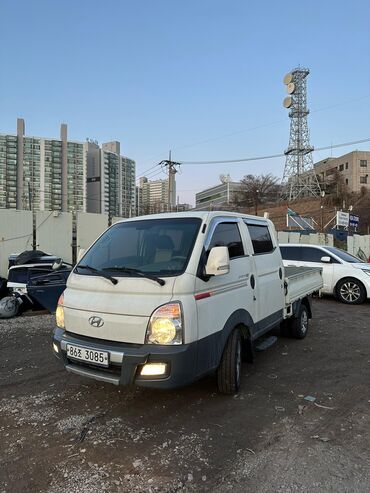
229, 371
350, 291
298, 327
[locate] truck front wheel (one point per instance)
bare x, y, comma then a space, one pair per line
229, 371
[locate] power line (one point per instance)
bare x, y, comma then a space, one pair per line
271, 156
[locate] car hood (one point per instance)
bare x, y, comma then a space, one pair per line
362, 266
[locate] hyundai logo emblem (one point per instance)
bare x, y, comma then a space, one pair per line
96, 321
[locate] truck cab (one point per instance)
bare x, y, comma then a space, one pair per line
163, 300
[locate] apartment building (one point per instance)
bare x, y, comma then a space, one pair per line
63, 175
110, 180
354, 167
153, 195
42, 173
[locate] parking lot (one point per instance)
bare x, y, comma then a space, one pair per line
62, 433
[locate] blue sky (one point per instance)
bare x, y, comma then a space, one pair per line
203, 78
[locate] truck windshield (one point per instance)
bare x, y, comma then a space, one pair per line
161, 247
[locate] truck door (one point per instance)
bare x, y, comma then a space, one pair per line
221, 296
269, 289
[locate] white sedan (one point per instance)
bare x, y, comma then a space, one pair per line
344, 276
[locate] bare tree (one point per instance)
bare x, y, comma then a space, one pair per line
256, 189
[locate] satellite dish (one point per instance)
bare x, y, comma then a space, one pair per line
287, 103
225, 178
290, 88
288, 78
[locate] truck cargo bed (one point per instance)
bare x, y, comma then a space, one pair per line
301, 282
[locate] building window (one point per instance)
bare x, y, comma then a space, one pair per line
346, 181
346, 165
341, 167
363, 163
363, 179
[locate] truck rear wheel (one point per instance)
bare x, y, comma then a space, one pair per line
229, 371
298, 327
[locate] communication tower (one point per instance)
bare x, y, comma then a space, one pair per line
299, 176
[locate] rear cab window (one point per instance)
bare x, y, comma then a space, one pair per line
260, 237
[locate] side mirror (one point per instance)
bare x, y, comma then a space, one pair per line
326, 260
57, 264
218, 262
81, 253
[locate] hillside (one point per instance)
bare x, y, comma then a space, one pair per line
311, 207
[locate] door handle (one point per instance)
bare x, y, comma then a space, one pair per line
253, 282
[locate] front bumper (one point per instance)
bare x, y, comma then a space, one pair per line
126, 361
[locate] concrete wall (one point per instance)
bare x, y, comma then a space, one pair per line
357, 242
54, 233
310, 239
15, 235
89, 227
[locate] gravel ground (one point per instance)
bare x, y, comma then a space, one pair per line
61, 433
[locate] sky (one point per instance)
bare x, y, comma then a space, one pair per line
200, 77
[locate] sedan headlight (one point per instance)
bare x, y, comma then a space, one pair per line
367, 271
165, 325
59, 314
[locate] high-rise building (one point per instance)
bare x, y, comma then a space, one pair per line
154, 195
59, 174
128, 181
110, 180
41, 173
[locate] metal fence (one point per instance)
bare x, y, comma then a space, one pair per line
55, 231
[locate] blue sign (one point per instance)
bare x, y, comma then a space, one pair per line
354, 220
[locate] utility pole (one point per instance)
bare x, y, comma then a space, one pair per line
32, 209
172, 170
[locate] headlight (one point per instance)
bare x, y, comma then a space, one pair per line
165, 325
367, 271
59, 314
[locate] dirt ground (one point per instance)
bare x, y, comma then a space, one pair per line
62, 433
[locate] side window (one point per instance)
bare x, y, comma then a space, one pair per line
291, 253
312, 254
227, 234
261, 239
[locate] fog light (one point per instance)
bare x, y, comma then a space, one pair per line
55, 347
153, 369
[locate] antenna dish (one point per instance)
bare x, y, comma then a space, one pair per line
287, 103
288, 78
225, 178
290, 88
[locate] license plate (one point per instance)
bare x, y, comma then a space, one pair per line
100, 358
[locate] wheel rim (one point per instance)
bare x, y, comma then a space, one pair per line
238, 362
350, 292
304, 322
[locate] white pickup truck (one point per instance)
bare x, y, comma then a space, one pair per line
162, 300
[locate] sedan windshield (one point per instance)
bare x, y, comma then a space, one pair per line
158, 247
347, 257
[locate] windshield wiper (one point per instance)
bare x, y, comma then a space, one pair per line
98, 272
140, 273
